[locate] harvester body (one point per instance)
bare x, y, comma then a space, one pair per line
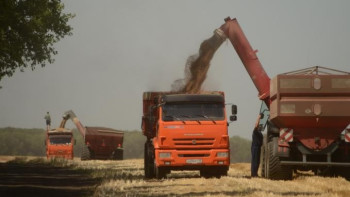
185, 132
308, 111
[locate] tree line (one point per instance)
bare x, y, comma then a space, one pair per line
31, 142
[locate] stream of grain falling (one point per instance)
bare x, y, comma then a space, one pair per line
197, 66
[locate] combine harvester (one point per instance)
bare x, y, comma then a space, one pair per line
99, 142
306, 112
185, 132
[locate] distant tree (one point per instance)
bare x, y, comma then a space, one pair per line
133, 144
240, 149
28, 30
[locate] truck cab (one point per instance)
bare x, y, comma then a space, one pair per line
59, 143
185, 132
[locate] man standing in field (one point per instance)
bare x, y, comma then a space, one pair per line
48, 120
257, 140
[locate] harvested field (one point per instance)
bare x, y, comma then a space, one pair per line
125, 178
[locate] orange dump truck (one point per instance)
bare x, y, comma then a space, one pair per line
186, 132
59, 143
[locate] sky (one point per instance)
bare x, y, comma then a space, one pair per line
119, 49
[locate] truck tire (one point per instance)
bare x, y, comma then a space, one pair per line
148, 161
85, 153
274, 169
160, 172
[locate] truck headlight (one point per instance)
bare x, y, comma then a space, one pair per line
164, 155
222, 154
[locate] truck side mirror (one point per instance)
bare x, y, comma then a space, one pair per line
234, 109
75, 141
233, 118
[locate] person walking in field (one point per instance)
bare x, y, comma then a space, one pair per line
48, 120
257, 140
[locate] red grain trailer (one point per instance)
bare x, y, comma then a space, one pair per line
306, 111
99, 142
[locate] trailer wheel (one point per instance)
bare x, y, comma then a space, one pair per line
149, 161
274, 169
85, 153
263, 161
118, 154
344, 172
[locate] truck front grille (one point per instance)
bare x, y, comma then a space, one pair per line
193, 142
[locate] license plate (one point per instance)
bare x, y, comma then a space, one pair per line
194, 161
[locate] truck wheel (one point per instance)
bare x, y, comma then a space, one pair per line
85, 153
160, 172
148, 161
274, 169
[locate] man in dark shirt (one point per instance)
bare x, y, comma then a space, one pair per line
48, 120
257, 140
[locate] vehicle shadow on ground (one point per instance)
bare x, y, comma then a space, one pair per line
44, 180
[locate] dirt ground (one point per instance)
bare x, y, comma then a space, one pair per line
125, 178
39, 179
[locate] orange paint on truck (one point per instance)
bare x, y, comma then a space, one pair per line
59, 143
185, 132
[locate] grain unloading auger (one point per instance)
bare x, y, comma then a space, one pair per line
99, 142
306, 112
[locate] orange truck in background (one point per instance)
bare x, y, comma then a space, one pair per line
186, 132
59, 143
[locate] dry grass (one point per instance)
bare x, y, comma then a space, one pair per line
125, 178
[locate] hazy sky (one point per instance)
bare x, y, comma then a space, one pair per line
120, 49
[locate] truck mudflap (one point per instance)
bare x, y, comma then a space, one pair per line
215, 157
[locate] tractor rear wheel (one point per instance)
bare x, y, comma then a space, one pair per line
85, 153
274, 169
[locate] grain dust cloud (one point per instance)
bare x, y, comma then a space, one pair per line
197, 66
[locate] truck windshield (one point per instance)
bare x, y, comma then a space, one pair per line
193, 111
62, 140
